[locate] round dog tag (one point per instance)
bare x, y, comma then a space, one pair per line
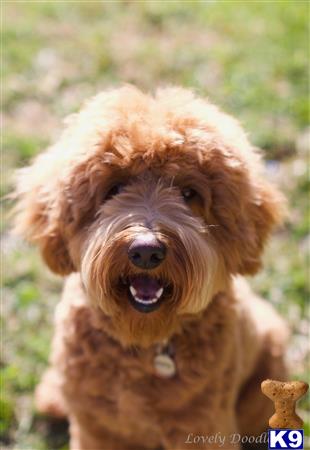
164, 365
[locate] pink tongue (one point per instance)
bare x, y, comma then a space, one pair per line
145, 287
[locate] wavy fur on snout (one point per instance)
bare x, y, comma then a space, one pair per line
176, 166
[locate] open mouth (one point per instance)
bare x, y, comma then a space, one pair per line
145, 293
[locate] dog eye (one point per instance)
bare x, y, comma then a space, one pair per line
114, 190
189, 193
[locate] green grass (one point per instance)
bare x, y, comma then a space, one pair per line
249, 57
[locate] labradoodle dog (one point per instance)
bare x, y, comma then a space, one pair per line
152, 207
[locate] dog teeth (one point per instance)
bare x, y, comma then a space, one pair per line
145, 302
159, 293
133, 291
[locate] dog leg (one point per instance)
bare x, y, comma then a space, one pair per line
253, 408
90, 438
48, 396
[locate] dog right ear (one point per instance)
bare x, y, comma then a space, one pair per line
40, 214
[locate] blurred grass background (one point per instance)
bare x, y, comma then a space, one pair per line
249, 57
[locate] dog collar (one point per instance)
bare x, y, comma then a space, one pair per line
164, 363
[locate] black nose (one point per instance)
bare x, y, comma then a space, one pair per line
146, 252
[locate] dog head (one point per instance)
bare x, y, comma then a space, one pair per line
156, 201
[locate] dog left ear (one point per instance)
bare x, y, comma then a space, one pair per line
263, 211
245, 209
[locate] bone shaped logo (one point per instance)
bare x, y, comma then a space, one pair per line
285, 395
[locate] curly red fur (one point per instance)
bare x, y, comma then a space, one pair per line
156, 146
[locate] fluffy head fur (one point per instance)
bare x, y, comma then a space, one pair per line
155, 147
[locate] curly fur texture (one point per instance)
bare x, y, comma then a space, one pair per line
225, 339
